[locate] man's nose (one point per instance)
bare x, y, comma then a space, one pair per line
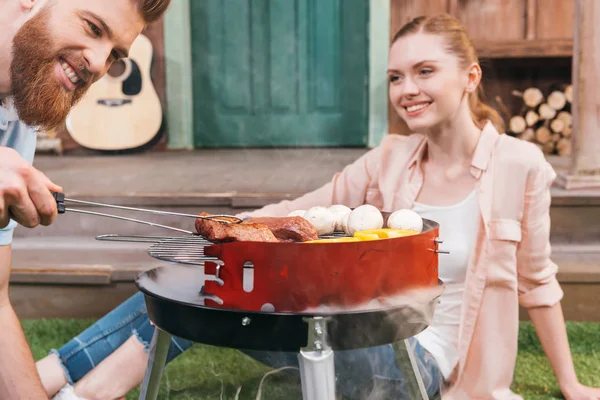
96, 59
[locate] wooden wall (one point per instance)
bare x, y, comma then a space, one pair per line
495, 19
154, 32
521, 43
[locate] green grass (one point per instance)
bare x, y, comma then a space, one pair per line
204, 372
534, 378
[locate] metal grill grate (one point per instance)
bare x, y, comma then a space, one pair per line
189, 249
183, 250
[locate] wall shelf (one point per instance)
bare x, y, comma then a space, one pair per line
525, 48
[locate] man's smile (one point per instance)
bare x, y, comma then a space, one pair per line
66, 75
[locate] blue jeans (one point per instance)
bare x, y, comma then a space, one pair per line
356, 370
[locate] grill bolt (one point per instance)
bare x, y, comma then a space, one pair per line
246, 321
319, 331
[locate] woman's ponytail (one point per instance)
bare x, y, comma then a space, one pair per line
481, 112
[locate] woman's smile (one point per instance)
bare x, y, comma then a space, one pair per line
414, 109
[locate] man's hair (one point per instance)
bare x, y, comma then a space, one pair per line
151, 10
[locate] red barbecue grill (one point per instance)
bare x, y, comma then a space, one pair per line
310, 298
294, 277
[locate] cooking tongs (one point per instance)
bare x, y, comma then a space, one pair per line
61, 199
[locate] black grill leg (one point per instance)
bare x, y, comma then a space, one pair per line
159, 348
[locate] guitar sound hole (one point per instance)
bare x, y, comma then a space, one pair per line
117, 69
133, 84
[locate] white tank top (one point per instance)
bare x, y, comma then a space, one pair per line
458, 230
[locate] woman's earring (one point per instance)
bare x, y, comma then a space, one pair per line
471, 87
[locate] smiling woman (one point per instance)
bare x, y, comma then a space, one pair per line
450, 50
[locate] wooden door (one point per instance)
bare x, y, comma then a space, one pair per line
286, 73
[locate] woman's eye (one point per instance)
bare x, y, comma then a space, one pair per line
394, 78
95, 30
426, 71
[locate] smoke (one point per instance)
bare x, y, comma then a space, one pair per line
379, 372
417, 304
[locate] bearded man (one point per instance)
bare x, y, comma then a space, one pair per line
51, 51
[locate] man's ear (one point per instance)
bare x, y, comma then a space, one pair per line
474, 77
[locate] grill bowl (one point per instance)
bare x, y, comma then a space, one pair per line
300, 277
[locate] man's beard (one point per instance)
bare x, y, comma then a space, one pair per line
40, 99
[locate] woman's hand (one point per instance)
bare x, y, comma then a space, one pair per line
577, 391
549, 324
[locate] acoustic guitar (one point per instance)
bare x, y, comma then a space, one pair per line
121, 111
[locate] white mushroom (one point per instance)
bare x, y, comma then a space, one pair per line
297, 213
363, 218
322, 219
344, 223
405, 219
339, 211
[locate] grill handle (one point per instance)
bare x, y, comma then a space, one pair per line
60, 204
60, 201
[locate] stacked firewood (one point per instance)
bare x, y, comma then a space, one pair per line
545, 120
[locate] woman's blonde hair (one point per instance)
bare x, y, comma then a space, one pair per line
461, 45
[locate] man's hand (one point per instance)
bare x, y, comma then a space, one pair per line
24, 192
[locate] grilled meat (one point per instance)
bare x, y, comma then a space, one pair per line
259, 229
218, 231
288, 229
